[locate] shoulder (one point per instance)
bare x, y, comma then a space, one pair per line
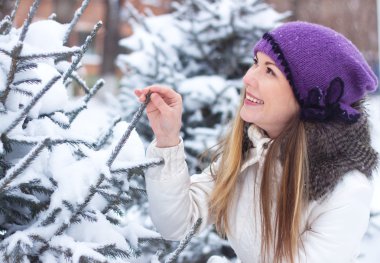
354, 184
336, 224
354, 189
345, 210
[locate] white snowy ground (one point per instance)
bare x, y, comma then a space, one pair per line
371, 241
370, 250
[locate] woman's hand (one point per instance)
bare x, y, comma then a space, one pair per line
164, 113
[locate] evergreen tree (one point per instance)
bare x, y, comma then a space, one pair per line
202, 49
66, 176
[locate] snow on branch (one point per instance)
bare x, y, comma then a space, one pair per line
14, 54
84, 48
91, 93
59, 54
14, 10
78, 13
28, 20
173, 256
127, 133
21, 116
22, 165
132, 11
5, 24
145, 165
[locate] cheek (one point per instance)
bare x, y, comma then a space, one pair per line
288, 108
282, 104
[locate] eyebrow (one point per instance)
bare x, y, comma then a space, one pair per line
270, 63
267, 63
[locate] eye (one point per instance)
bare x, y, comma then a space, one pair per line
255, 61
270, 71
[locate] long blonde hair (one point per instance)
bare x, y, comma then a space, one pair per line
282, 238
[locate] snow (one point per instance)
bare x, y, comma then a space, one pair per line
201, 90
134, 230
19, 238
41, 31
79, 249
60, 117
68, 170
54, 99
104, 234
3, 75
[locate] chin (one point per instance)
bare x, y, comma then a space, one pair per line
247, 116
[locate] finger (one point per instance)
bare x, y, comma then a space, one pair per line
137, 92
159, 103
163, 91
140, 94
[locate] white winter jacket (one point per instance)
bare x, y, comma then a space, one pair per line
332, 228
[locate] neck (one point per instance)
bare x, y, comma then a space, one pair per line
273, 133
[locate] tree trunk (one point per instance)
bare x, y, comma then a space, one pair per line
111, 37
64, 10
295, 9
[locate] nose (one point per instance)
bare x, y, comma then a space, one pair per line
250, 78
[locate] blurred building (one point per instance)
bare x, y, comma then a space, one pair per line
114, 26
356, 19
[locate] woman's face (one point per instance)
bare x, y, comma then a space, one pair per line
269, 100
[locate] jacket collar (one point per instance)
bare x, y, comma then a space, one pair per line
260, 143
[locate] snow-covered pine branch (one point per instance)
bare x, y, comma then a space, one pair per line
65, 172
174, 255
78, 13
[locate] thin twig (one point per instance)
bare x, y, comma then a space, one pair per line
137, 17
14, 10
78, 13
53, 16
26, 110
74, 113
131, 126
106, 135
28, 20
84, 48
173, 256
22, 164
11, 74
81, 82
138, 166
5, 24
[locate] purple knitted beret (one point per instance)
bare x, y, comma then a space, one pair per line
326, 71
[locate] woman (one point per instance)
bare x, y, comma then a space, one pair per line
291, 181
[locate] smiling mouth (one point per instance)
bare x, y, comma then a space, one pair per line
254, 100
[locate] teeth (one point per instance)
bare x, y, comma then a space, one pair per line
255, 100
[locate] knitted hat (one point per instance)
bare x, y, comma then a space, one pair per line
326, 71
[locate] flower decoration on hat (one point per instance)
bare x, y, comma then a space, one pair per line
325, 104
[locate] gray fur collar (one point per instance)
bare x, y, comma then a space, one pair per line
335, 149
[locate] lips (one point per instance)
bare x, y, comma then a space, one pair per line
251, 98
